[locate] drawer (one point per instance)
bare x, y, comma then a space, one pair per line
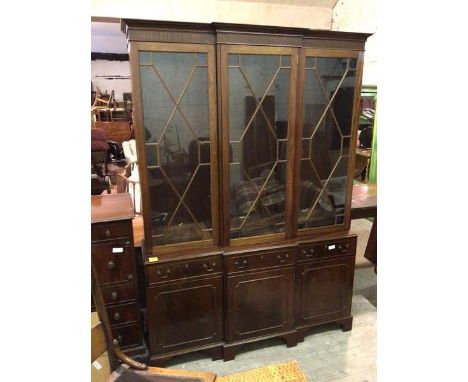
111, 231
128, 335
266, 259
119, 293
340, 247
123, 313
182, 269
113, 262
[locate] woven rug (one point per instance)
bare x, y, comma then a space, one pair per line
283, 372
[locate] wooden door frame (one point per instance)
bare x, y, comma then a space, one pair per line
325, 53
134, 47
223, 94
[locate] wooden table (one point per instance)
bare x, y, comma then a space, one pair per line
364, 205
362, 163
364, 201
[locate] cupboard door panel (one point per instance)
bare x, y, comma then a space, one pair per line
185, 314
323, 290
260, 303
325, 143
179, 138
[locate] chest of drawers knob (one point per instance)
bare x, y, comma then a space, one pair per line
161, 275
111, 265
114, 295
282, 259
130, 276
241, 264
116, 316
107, 232
207, 267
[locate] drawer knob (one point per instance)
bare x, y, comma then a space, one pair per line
110, 265
119, 339
114, 295
213, 265
304, 252
240, 264
130, 276
107, 232
116, 316
281, 259
168, 272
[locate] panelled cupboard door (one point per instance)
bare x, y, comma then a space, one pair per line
260, 303
258, 103
185, 314
323, 290
175, 100
327, 123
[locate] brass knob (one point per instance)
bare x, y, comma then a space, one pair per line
160, 274
130, 276
107, 232
213, 264
116, 316
114, 295
119, 338
240, 264
110, 265
281, 259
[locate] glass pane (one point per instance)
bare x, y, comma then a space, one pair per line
258, 128
327, 121
322, 202
176, 120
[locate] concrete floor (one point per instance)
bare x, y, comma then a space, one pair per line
327, 353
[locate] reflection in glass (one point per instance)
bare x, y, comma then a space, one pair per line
176, 122
327, 121
258, 132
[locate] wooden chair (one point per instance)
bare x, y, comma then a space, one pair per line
106, 104
125, 368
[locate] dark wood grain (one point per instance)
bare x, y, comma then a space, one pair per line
259, 303
111, 207
323, 290
185, 314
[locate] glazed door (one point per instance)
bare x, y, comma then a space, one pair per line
260, 303
258, 113
323, 290
175, 101
185, 314
327, 124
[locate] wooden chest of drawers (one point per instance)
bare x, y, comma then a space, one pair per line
112, 254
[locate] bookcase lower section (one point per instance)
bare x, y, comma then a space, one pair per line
220, 302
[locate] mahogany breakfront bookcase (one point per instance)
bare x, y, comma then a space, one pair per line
246, 138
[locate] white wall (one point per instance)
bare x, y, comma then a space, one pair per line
360, 16
293, 13
104, 68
